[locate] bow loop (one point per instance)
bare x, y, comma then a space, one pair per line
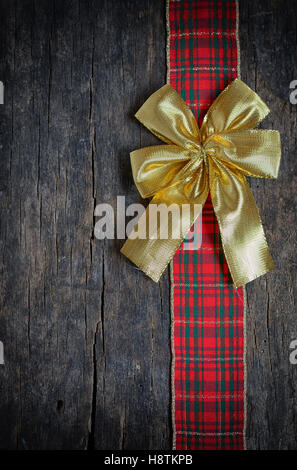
156, 168
254, 152
236, 108
167, 116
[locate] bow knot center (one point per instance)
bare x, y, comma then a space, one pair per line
203, 154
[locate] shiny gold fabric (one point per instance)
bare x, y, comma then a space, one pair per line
216, 158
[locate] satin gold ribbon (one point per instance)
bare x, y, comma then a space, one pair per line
216, 158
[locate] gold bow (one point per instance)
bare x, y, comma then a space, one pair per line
217, 159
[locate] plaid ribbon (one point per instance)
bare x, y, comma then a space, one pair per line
208, 371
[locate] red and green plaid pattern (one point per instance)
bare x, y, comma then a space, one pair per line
208, 312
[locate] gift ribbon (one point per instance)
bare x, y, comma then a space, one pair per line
215, 158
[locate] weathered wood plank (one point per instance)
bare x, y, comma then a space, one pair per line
268, 64
87, 353
134, 383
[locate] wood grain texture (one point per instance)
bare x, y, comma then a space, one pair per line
85, 333
268, 37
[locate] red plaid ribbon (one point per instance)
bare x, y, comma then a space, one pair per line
207, 311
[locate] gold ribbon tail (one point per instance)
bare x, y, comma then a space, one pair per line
242, 234
153, 253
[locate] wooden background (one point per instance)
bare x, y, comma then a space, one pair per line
86, 334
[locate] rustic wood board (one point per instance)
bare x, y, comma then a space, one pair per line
268, 38
86, 335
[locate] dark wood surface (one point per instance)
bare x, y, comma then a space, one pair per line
86, 334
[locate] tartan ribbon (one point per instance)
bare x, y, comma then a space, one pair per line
208, 315
215, 158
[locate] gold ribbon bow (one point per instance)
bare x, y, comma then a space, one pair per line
217, 159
